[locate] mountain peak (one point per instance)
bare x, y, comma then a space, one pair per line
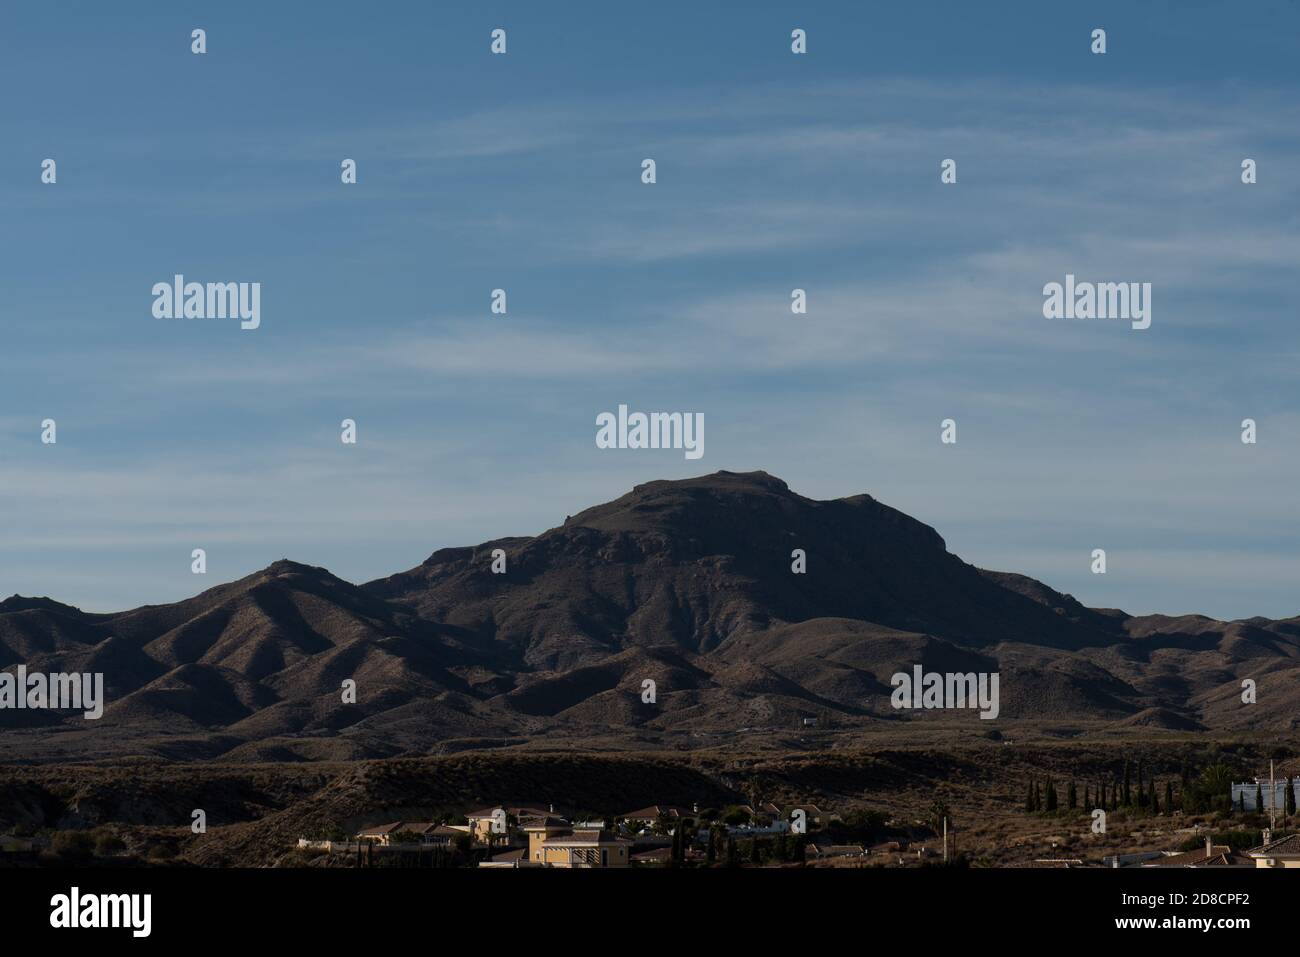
286, 566
723, 479
678, 504
16, 603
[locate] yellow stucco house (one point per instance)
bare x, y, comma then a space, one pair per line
552, 843
481, 822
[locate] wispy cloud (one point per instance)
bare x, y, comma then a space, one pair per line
924, 302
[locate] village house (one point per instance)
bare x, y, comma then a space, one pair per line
1211, 855
539, 829
586, 849
444, 835
430, 833
1284, 852
778, 812
553, 843
480, 822
649, 816
381, 834
656, 855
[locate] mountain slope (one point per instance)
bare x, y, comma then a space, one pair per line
686, 584
693, 562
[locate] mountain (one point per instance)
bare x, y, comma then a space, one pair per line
688, 584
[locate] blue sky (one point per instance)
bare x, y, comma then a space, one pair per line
775, 171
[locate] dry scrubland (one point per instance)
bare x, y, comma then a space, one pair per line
257, 811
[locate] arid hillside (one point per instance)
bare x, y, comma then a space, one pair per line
255, 813
688, 584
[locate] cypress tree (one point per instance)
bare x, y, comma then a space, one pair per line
1051, 797
1029, 799
1128, 794
1152, 800
1072, 796
1259, 799
1289, 804
1087, 799
1141, 791
1169, 797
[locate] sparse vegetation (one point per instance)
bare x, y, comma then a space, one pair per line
73, 847
885, 794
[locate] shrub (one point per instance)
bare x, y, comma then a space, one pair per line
73, 845
108, 844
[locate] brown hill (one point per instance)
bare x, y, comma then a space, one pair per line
687, 584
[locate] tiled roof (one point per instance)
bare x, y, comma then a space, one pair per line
585, 838
1219, 855
1282, 847
521, 810
542, 821
653, 812
381, 829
